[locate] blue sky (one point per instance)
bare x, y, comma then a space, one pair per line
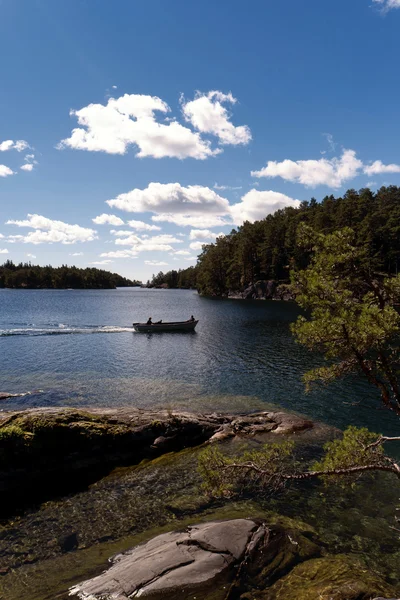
133, 132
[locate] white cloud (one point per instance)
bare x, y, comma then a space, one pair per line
101, 262
197, 245
108, 219
6, 145
142, 226
18, 145
208, 115
4, 251
30, 162
121, 232
331, 172
378, 167
129, 120
76, 254
388, 4
149, 244
48, 230
172, 198
120, 254
256, 205
204, 234
226, 187
31, 255
191, 220
181, 253
5, 171
155, 263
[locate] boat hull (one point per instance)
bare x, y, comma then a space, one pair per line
179, 326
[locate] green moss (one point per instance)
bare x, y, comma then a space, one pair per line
340, 577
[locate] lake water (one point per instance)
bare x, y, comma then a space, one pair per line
77, 347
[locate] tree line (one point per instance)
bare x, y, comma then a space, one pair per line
26, 275
267, 249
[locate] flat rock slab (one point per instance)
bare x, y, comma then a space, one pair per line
173, 565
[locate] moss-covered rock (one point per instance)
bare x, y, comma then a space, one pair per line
340, 577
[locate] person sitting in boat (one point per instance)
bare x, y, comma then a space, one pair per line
191, 319
149, 321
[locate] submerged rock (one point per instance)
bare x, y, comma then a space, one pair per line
209, 560
340, 577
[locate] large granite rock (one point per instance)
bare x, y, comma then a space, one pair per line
174, 564
204, 561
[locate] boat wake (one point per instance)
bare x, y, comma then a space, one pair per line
61, 329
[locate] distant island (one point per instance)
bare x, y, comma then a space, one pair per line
28, 276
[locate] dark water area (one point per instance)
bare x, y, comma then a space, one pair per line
77, 347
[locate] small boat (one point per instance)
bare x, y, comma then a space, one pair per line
163, 327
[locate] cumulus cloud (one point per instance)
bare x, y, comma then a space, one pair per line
155, 263
31, 255
257, 204
197, 245
28, 167
149, 244
208, 115
131, 120
142, 226
120, 232
204, 234
105, 219
4, 251
18, 145
76, 254
181, 253
50, 231
378, 167
171, 198
332, 172
5, 171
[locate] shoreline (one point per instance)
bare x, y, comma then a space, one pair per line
53, 451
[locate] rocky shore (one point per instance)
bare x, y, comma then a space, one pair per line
263, 290
50, 451
122, 485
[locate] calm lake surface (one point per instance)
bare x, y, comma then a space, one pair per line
77, 347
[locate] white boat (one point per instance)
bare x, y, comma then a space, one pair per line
164, 327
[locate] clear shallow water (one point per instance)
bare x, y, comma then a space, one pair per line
77, 347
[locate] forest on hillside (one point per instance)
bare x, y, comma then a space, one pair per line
267, 249
26, 275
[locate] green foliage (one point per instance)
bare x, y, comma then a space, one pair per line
353, 320
225, 476
26, 275
267, 249
182, 279
354, 449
